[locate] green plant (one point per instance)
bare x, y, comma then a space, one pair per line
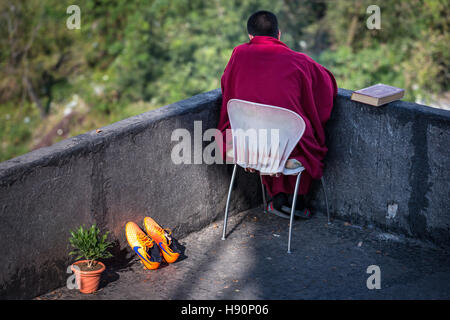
89, 244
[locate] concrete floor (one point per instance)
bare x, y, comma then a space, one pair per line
327, 262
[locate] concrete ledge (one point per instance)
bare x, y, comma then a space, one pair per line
389, 167
386, 167
121, 174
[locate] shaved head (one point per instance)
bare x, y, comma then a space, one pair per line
263, 23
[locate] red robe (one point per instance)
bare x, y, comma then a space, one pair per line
264, 70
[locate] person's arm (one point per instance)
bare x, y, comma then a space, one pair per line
318, 90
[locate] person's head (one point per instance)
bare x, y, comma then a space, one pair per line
263, 23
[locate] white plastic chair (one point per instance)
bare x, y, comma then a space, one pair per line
263, 138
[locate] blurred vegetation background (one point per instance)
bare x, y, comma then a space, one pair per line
131, 56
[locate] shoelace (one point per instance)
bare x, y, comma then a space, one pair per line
163, 232
146, 241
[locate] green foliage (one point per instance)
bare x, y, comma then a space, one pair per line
411, 50
367, 67
16, 128
131, 56
89, 244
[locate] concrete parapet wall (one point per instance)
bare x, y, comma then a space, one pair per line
120, 174
390, 167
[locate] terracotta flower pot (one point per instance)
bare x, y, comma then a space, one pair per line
87, 281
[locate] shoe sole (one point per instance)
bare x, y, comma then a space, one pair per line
297, 213
274, 211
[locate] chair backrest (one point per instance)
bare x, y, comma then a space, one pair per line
263, 135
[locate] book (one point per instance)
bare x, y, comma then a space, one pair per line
378, 94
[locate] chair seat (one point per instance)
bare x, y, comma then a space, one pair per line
289, 172
286, 171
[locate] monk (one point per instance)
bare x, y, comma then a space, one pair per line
265, 70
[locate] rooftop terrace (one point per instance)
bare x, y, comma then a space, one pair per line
327, 262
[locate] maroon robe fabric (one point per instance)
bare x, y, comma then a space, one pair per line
266, 71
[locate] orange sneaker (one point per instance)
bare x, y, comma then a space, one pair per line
162, 237
143, 246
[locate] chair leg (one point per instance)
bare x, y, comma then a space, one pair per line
263, 194
228, 202
326, 199
292, 211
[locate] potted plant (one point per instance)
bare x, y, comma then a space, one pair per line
90, 246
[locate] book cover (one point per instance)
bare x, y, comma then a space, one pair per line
378, 94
